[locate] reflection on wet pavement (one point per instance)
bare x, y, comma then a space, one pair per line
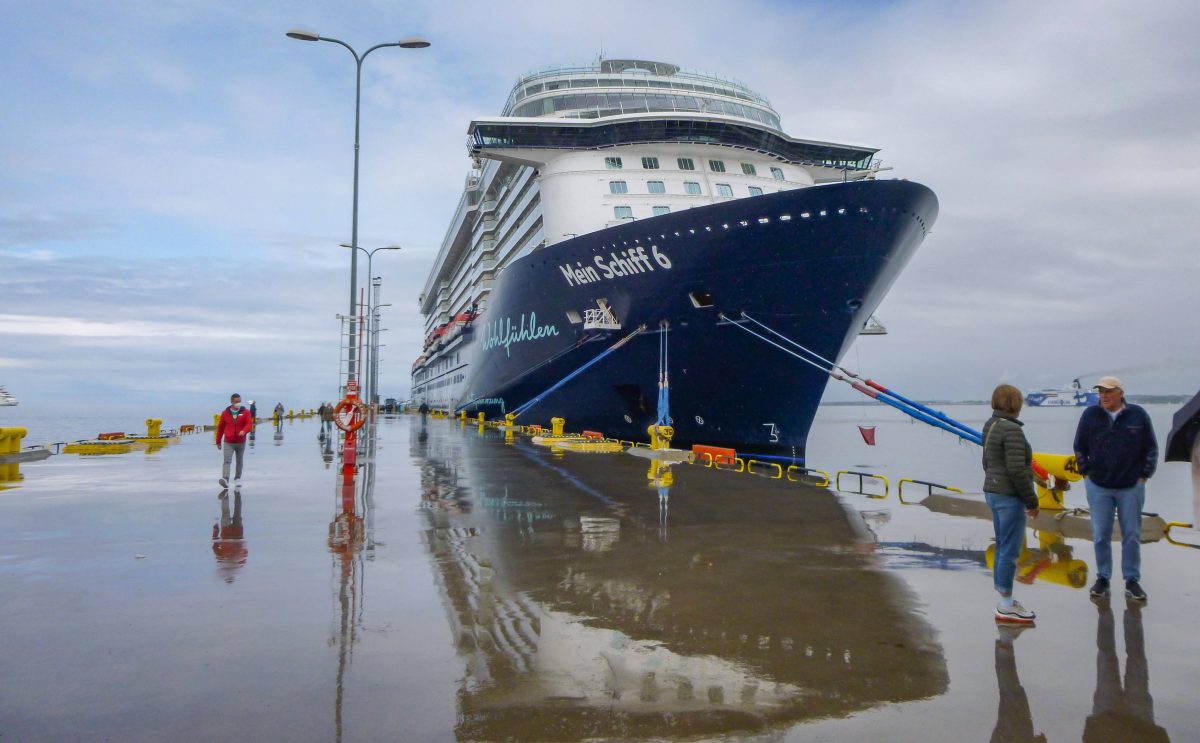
589, 597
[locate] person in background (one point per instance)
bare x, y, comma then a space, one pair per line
327, 418
1116, 452
1008, 489
253, 412
232, 429
278, 412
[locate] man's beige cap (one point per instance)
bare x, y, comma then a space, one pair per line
1109, 383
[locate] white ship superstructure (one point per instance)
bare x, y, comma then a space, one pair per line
7, 400
581, 149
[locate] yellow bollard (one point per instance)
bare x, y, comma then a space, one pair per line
216, 419
291, 414
10, 439
660, 436
1064, 470
153, 426
510, 420
557, 425
480, 418
462, 415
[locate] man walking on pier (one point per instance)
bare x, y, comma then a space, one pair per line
236, 422
1117, 453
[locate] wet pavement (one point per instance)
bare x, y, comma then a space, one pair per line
471, 589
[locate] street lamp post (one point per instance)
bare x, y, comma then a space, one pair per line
371, 319
412, 42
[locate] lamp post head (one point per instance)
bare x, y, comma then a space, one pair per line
304, 35
412, 42
391, 247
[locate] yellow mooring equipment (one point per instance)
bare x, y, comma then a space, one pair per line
10, 439
660, 436
1063, 470
557, 425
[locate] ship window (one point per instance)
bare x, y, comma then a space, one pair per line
613, 163
777, 173
724, 189
623, 212
618, 187
749, 169
685, 163
716, 166
755, 191
650, 163
660, 210
656, 187
573, 317
691, 187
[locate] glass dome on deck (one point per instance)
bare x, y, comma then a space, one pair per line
612, 87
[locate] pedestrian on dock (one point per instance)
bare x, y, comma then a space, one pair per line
1008, 489
1116, 452
232, 430
423, 410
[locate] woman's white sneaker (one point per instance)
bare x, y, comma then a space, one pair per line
1014, 613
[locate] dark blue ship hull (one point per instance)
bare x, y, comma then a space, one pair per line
811, 263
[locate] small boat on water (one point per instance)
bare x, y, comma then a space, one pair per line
1076, 396
6, 399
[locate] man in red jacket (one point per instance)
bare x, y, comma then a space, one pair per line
236, 423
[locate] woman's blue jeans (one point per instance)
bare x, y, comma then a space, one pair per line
1008, 519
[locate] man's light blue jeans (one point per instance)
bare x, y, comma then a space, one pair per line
1008, 519
1127, 504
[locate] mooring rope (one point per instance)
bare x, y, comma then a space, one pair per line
834, 369
527, 372
523, 408
664, 384
874, 391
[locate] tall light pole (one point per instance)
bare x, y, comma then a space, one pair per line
411, 42
371, 301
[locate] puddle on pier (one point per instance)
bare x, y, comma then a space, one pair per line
595, 595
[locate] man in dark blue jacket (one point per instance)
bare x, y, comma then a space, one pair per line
1117, 453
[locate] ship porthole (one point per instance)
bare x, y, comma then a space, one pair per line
628, 419
854, 304
699, 421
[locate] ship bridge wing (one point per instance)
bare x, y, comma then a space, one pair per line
490, 137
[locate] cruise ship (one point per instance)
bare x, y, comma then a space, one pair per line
6, 399
1075, 397
633, 194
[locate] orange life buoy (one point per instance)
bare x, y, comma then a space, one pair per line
356, 419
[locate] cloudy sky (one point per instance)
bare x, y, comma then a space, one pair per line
175, 178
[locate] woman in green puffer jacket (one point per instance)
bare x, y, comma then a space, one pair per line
1008, 489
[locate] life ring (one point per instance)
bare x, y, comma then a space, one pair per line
356, 418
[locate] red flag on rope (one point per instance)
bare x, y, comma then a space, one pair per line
868, 434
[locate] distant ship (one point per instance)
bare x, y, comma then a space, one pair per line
632, 193
1076, 396
7, 400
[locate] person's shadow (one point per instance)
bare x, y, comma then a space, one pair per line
1121, 713
1013, 719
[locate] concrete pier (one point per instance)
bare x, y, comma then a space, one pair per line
469, 588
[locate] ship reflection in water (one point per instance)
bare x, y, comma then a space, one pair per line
589, 597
